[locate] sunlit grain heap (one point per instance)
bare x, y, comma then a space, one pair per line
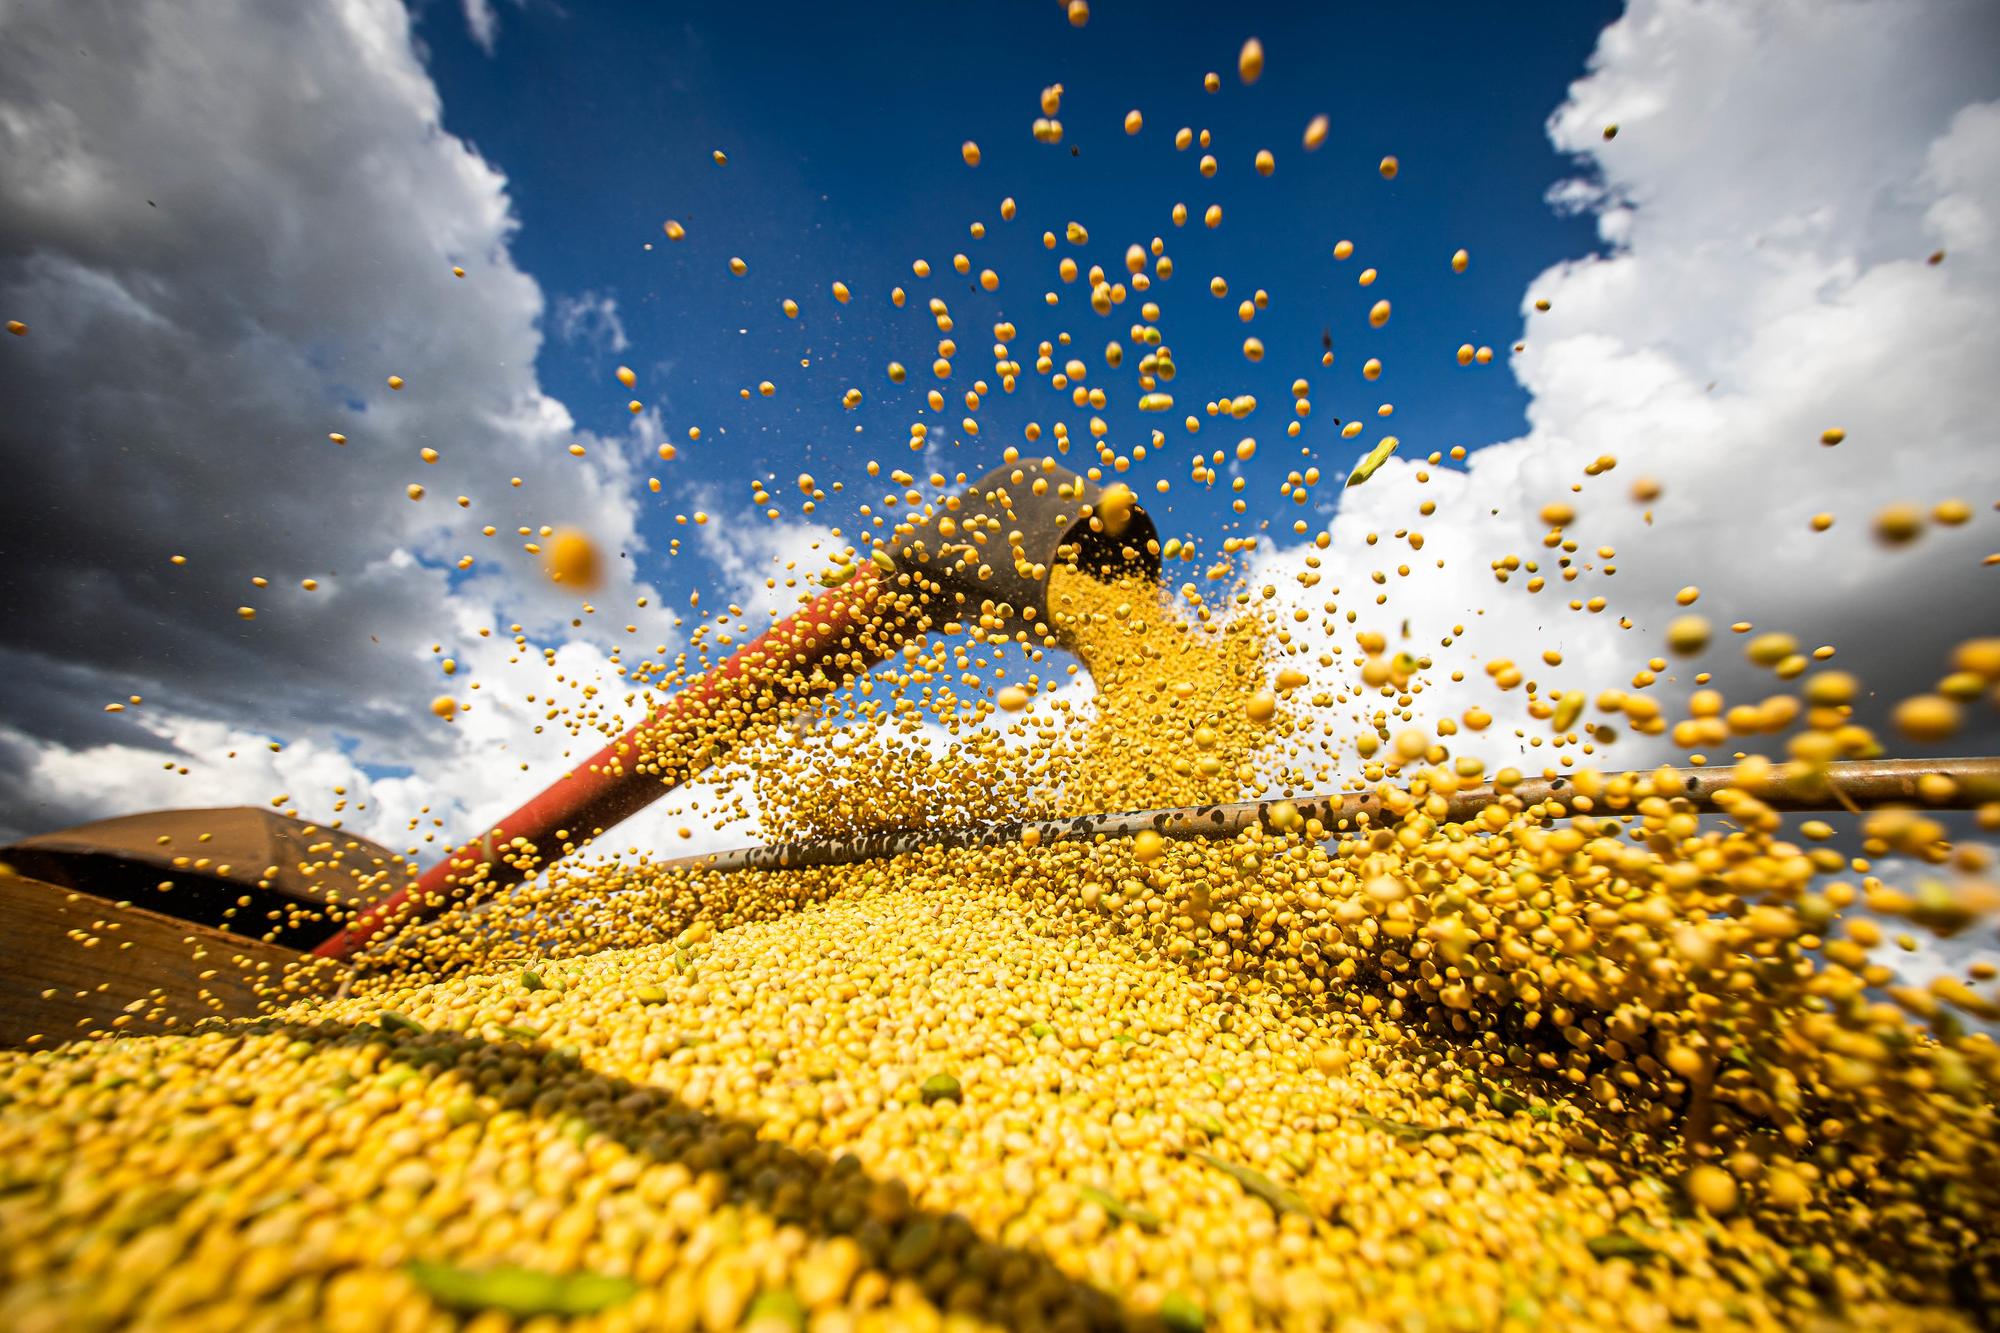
1527, 1061
1262, 1081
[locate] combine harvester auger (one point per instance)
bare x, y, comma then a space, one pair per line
991, 567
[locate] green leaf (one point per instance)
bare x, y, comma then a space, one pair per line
1181, 1315
1138, 1215
394, 1022
1620, 1245
1204, 1122
780, 1303
149, 1210
1401, 1130
1262, 1186
520, 1292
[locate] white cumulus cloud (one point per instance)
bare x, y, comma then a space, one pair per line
227, 228
591, 318
1778, 183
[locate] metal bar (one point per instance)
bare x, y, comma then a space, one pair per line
1857, 784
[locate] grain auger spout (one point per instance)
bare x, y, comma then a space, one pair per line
982, 557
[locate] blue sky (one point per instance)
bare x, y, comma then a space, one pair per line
843, 129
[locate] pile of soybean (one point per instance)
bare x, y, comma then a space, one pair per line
1602, 1063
